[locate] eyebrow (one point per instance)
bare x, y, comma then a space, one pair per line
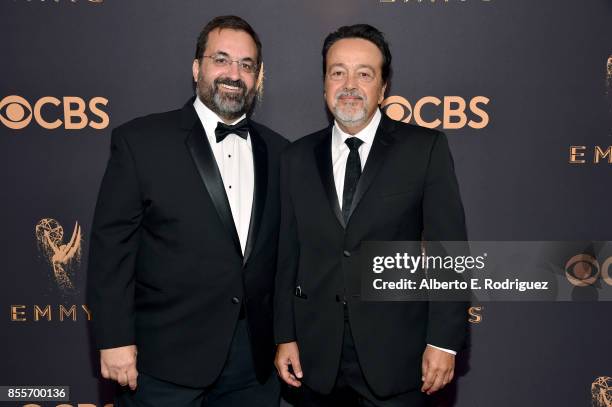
341, 65
225, 54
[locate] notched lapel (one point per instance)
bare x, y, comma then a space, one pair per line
382, 142
323, 158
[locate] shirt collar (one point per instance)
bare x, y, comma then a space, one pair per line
366, 134
209, 118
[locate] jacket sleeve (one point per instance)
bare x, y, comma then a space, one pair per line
113, 249
287, 264
444, 220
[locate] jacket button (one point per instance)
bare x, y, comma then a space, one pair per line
235, 300
347, 253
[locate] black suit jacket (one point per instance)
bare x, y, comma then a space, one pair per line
407, 191
165, 267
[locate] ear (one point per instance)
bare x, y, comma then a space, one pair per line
381, 96
195, 69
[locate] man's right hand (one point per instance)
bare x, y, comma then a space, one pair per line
119, 364
288, 354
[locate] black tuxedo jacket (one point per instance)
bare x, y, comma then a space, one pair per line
407, 191
165, 267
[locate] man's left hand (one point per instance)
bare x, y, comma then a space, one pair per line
438, 368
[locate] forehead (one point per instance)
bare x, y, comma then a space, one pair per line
353, 52
236, 43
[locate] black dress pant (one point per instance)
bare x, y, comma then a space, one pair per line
237, 385
351, 388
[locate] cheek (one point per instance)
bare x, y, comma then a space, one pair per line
207, 76
249, 81
329, 98
373, 96
330, 91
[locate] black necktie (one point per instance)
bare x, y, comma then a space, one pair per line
241, 129
351, 175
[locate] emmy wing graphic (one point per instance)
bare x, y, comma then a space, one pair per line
64, 258
601, 391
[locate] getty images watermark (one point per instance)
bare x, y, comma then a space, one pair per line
484, 271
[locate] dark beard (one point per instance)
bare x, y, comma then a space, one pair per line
228, 106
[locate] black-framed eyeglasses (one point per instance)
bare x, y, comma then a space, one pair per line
224, 61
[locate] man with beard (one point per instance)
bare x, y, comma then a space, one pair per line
183, 246
363, 178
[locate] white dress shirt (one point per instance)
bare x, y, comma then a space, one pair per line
340, 150
234, 156
340, 153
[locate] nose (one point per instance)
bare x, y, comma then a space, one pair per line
351, 81
234, 70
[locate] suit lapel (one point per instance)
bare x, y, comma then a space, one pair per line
260, 166
205, 162
380, 147
323, 158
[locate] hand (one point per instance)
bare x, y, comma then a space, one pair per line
288, 354
119, 364
438, 369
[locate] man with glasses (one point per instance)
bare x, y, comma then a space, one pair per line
183, 246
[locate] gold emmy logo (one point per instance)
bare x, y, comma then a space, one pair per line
64, 258
595, 154
450, 112
601, 392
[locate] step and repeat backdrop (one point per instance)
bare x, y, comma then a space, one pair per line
522, 88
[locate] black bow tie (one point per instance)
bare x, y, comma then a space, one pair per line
241, 129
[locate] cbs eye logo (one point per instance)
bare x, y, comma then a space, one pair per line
583, 270
451, 112
71, 112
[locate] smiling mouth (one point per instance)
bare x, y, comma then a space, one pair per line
230, 88
350, 98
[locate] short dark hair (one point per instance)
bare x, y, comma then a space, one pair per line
233, 23
366, 32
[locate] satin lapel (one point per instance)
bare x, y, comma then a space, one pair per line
380, 147
260, 166
205, 162
323, 158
